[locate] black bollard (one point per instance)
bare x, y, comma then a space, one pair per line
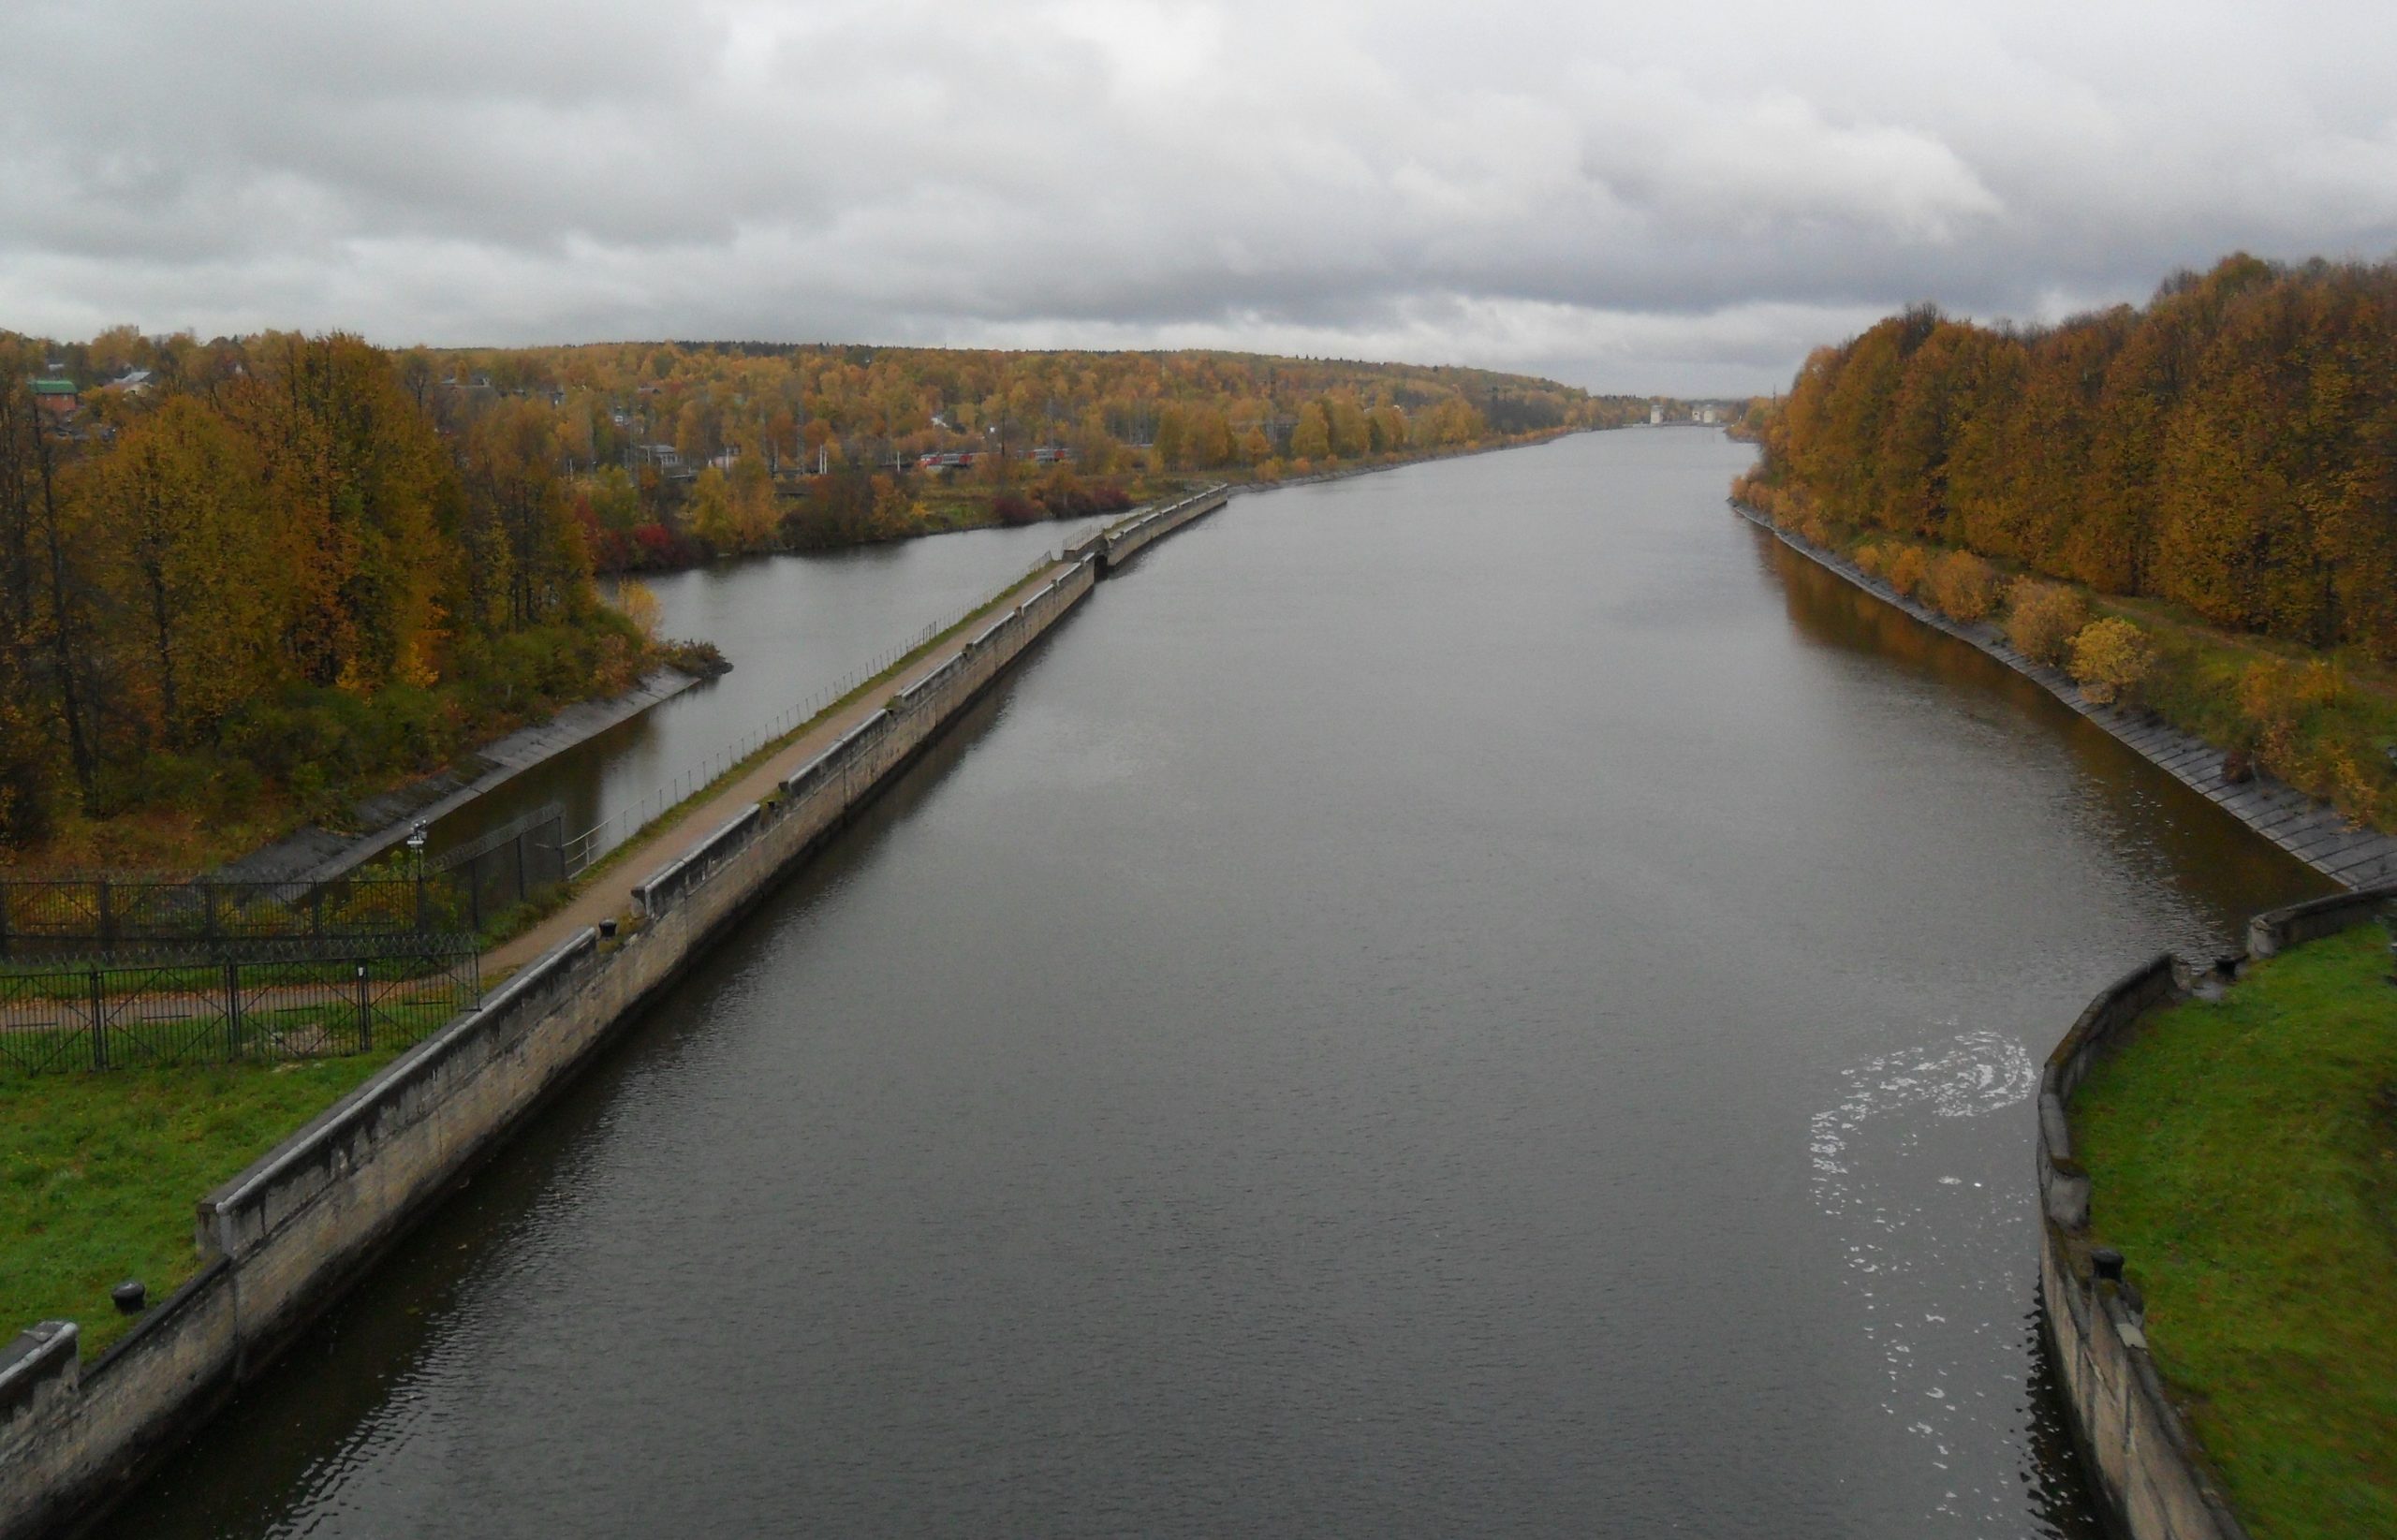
2108, 1263
129, 1296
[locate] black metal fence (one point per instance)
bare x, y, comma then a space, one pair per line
302, 1004
513, 864
120, 916
135, 917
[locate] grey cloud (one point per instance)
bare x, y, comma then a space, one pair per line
1626, 195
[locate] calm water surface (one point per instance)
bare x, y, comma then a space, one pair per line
799, 630
1486, 999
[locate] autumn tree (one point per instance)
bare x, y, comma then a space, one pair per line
175, 519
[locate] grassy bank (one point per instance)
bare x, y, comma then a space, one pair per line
2243, 1157
99, 1173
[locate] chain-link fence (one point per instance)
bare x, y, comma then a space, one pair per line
517, 862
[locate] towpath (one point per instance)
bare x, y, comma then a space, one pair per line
609, 895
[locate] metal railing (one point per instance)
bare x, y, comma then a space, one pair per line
301, 1005
581, 850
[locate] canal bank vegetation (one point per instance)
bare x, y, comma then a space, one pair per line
98, 1174
100, 1171
2204, 484
2243, 1154
243, 582
682, 452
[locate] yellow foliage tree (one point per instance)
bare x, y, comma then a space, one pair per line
1963, 586
2110, 659
2042, 619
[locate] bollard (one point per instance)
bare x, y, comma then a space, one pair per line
2108, 1263
130, 1296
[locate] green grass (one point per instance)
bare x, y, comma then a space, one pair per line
99, 1175
2244, 1159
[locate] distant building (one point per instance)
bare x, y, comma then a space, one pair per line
1656, 414
57, 397
664, 456
133, 382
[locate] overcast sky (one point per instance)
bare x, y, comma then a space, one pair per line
1664, 197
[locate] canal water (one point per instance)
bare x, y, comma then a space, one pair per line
1486, 999
800, 631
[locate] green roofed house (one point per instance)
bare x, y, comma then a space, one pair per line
57, 395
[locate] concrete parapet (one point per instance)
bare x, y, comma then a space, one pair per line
2141, 1458
284, 1237
1123, 541
2277, 930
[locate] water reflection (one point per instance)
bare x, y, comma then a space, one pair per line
799, 630
1476, 1000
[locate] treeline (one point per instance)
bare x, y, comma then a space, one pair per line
681, 452
2230, 449
268, 568
2223, 461
241, 580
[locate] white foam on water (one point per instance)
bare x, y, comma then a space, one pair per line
1897, 1215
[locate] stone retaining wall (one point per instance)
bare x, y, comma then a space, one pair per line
281, 1239
1129, 539
2140, 1456
2313, 832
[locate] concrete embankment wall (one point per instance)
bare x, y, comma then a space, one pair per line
1119, 542
2313, 832
2139, 1455
282, 1238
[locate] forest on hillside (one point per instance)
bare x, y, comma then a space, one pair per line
2217, 472
242, 580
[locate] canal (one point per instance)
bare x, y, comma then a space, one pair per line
1491, 998
799, 630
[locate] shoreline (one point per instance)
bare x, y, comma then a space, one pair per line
2146, 1466
1085, 523
289, 1233
313, 854
2313, 832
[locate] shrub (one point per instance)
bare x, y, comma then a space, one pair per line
1871, 560
1010, 508
2110, 658
1963, 586
2042, 619
1909, 568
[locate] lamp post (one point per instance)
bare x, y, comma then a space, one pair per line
415, 850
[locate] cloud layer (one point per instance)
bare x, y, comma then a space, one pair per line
1632, 198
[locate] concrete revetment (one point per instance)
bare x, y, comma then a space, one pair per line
2313, 832
281, 1241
